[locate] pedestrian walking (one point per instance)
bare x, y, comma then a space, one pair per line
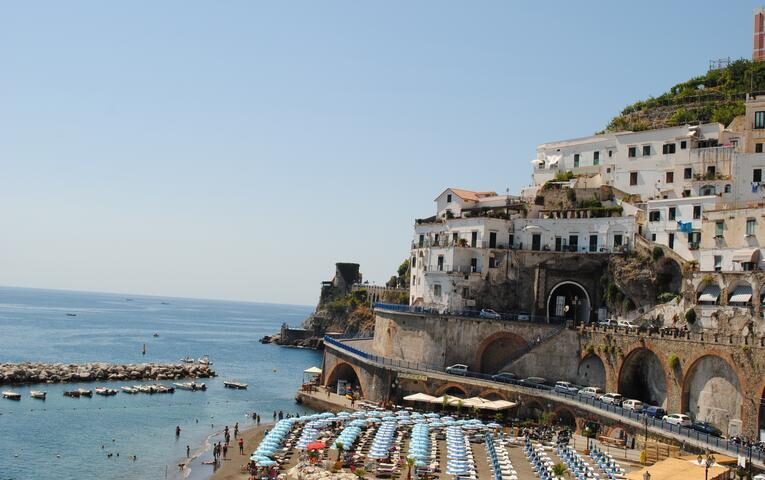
225, 450
188, 451
241, 446
236, 430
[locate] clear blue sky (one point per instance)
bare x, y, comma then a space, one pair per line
239, 149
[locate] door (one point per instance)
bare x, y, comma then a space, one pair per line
671, 240
560, 304
473, 265
558, 244
573, 243
492, 239
593, 243
536, 241
440, 263
473, 239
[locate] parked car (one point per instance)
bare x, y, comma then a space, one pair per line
489, 313
677, 419
654, 411
457, 369
567, 388
523, 317
648, 328
609, 322
634, 405
708, 428
505, 377
536, 382
612, 399
626, 324
592, 392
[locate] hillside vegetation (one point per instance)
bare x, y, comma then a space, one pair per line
717, 96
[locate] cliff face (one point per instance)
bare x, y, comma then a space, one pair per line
637, 281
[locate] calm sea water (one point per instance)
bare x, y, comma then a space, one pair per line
67, 438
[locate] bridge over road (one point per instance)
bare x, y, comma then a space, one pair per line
381, 378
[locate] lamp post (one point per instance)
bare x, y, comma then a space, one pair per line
707, 461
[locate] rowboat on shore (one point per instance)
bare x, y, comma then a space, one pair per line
130, 390
106, 392
193, 386
38, 394
11, 395
84, 392
235, 385
72, 393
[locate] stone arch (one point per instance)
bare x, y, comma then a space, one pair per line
565, 416
499, 350
708, 190
491, 394
566, 300
453, 389
712, 391
534, 408
616, 431
591, 371
740, 293
346, 371
642, 376
705, 290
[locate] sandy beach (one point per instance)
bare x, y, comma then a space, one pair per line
231, 467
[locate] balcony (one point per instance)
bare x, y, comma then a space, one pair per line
460, 243
451, 269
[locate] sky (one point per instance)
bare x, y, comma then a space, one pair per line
237, 150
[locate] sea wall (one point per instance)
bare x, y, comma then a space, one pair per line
11, 373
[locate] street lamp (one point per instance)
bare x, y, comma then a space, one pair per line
707, 461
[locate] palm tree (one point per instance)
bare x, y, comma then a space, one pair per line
340, 449
410, 464
559, 470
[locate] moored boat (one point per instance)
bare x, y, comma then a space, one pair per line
193, 386
106, 392
38, 394
205, 360
11, 395
72, 393
130, 390
187, 359
235, 385
84, 392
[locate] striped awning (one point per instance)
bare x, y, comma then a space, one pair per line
746, 255
710, 294
742, 294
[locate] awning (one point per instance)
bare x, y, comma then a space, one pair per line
475, 402
746, 255
553, 159
710, 294
537, 161
313, 370
446, 398
742, 294
499, 405
419, 397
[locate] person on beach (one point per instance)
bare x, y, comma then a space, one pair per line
236, 430
241, 446
225, 450
178, 431
274, 415
281, 415
188, 451
258, 419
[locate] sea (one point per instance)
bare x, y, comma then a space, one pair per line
133, 436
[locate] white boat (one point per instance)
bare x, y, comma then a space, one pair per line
145, 388
38, 394
187, 359
84, 392
159, 388
130, 390
106, 392
193, 386
11, 395
235, 385
205, 360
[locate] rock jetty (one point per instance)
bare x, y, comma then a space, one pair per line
15, 373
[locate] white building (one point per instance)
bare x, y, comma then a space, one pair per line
677, 223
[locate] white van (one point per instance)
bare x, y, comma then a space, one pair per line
592, 392
634, 405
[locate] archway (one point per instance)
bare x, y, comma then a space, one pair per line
712, 392
534, 409
642, 377
499, 350
344, 374
492, 395
669, 276
565, 417
740, 294
592, 372
569, 300
453, 390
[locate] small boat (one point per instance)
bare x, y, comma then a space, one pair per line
130, 390
11, 395
235, 385
106, 392
156, 335
38, 394
84, 392
145, 388
193, 386
205, 360
187, 359
159, 388
72, 393
71, 314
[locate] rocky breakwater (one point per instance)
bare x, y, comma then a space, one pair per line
16, 373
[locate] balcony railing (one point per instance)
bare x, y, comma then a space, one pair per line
444, 268
462, 243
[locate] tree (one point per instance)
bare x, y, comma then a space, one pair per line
559, 470
410, 464
499, 417
360, 472
340, 449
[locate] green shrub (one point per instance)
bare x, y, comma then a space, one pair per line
564, 176
673, 361
690, 316
666, 297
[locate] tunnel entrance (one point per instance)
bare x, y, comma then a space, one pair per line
642, 377
499, 350
343, 377
570, 301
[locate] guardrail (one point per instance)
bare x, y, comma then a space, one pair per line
711, 441
513, 317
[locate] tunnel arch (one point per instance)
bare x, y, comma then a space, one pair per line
534, 408
560, 302
345, 371
492, 395
643, 377
499, 350
591, 371
712, 391
564, 416
452, 389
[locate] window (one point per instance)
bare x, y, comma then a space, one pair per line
750, 227
727, 188
632, 152
672, 213
610, 153
646, 150
437, 291
686, 193
436, 239
759, 119
633, 178
719, 228
414, 262
511, 240
492, 239
595, 158
473, 239
683, 145
654, 216
456, 238
465, 292
668, 148
421, 243
593, 243
757, 148
670, 177
718, 263
696, 212
688, 173
573, 243
653, 237
448, 198
492, 262
473, 265
576, 160
536, 241
618, 239
440, 263
608, 170
757, 175
671, 240
558, 244
711, 171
